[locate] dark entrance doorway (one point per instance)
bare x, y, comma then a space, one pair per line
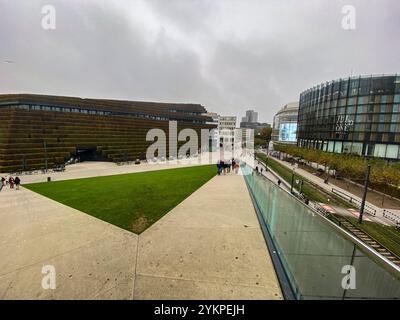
88, 154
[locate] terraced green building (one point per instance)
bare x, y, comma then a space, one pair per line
38, 131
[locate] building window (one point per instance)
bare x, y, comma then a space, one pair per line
380, 150
369, 150
361, 109
392, 151
338, 147
350, 109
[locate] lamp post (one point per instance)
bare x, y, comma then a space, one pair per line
45, 154
364, 194
291, 185
23, 162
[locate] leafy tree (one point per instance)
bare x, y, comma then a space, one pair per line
384, 176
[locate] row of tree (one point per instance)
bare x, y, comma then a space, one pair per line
385, 176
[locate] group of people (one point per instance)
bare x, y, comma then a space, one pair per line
227, 166
12, 182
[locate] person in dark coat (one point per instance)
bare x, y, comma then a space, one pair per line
219, 168
17, 181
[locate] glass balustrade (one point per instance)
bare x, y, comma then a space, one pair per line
315, 253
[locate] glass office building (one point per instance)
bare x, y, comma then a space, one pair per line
357, 115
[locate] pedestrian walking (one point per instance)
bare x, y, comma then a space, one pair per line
279, 182
219, 167
17, 182
237, 167
11, 182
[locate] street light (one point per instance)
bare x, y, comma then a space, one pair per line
45, 154
291, 185
364, 194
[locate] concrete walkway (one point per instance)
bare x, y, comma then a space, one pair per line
92, 259
209, 247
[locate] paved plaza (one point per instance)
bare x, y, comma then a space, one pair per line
208, 247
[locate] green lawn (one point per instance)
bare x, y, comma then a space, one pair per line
130, 201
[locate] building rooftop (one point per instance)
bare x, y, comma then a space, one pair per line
291, 106
179, 110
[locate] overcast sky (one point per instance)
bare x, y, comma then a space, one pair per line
226, 55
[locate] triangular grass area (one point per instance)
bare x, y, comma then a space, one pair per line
131, 201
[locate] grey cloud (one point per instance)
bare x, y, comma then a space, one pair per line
227, 55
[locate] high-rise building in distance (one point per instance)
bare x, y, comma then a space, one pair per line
251, 116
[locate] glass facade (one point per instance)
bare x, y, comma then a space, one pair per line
358, 115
